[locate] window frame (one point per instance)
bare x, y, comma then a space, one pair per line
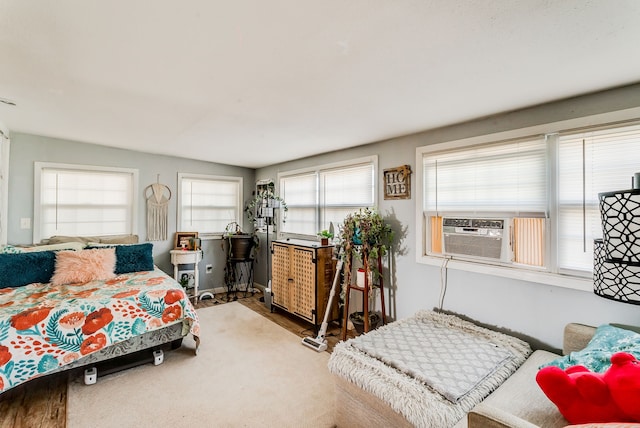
37, 193
5, 144
240, 199
559, 278
317, 170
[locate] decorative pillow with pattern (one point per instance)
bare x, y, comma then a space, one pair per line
10, 249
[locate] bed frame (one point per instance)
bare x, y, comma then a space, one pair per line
150, 341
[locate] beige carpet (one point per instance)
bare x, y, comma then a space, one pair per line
249, 372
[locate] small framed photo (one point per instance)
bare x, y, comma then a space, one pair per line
184, 240
187, 278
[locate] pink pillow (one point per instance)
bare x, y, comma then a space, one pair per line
74, 267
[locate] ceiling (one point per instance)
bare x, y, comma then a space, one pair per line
255, 82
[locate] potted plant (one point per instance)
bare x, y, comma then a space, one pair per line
357, 319
365, 236
240, 244
264, 200
324, 236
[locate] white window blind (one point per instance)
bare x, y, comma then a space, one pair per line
589, 163
344, 191
326, 195
508, 177
209, 203
504, 179
301, 195
83, 200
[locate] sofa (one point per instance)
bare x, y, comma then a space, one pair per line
519, 402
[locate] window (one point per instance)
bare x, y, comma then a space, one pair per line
84, 200
505, 180
323, 196
546, 186
207, 204
590, 162
4, 185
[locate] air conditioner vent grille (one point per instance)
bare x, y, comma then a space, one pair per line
476, 237
477, 246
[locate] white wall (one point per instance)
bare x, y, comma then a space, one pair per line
529, 309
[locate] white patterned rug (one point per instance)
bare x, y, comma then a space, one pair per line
249, 372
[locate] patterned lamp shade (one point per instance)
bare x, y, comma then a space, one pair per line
620, 213
614, 280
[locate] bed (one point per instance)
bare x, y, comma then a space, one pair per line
427, 370
103, 302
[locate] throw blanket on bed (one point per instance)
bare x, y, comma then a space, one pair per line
43, 327
425, 366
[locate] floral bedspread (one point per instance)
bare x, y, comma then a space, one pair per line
43, 327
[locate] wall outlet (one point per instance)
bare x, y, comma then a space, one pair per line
209, 268
25, 223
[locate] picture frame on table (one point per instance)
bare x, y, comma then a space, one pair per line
187, 278
185, 240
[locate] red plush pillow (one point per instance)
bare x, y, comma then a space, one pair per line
586, 397
623, 378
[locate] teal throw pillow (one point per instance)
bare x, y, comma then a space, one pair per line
21, 269
131, 257
596, 356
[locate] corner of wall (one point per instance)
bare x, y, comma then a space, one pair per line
4, 129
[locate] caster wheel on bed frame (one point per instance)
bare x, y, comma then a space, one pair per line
90, 376
123, 363
158, 357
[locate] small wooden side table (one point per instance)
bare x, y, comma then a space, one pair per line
187, 257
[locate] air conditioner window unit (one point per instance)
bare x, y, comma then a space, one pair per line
482, 238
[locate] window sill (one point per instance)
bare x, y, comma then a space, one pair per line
210, 236
558, 280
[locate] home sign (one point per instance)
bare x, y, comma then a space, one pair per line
397, 182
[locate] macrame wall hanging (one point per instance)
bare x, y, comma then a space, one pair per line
158, 196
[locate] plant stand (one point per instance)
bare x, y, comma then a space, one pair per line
365, 290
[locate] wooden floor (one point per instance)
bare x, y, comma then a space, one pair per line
43, 402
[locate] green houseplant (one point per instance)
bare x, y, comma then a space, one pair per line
264, 199
324, 236
365, 236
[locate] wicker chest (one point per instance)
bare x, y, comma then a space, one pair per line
301, 276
